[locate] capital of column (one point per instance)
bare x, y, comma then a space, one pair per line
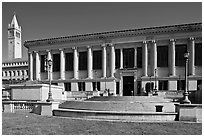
172, 40
144, 42
61, 49
153, 41
30, 52
74, 48
36, 51
191, 38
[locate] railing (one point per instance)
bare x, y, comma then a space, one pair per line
23, 105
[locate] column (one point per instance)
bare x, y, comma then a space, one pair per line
112, 65
49, 57
103, 60
37, 65
154, 57
25, 74
20, 74
76, 67
192, 56
30, 66
144, 59
135, 58
90, 62
62, 64
172, 57
121, 58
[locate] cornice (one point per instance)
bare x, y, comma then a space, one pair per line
115, 34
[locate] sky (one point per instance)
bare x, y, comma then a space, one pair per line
54, 19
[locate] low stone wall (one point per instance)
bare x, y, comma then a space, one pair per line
40, 108
189, 112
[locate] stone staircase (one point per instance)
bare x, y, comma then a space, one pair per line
117, 107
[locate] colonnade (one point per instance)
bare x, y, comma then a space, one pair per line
153, 60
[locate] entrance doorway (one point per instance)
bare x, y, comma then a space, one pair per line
128, 85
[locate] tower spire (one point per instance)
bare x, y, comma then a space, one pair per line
14, 22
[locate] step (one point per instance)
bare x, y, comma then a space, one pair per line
115, 115
118, 106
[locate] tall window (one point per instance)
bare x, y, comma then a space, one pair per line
180, 50
56, 62
162, 56
81, 86
163, 84
117, 58
198, 54
181, 84
128, 58
82, 60
67, 86
69, 62
97, 59
139, 57
96, 84
43, 63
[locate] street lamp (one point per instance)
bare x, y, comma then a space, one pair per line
155, 78
96, 80
49, 63
185, 94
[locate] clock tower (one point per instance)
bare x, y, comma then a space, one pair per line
14, 40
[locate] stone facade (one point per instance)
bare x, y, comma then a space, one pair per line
130, 59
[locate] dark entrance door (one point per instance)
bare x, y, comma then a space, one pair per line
128, 85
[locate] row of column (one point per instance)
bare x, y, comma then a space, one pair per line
171, 58
14, 73
75, 62
153, 60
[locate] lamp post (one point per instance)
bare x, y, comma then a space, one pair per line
96, 80
185, 94
155, 78
49, 63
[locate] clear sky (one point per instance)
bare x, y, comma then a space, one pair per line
46, 20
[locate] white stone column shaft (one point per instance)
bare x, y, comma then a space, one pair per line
90, 62
30, 66
37, 65
104, 61
192, 56
144, 58
172, 57
121, 58
135, 58
76, 64
112, 65
154, 57
62, 65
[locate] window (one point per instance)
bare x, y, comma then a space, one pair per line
162, 56
43, 63
180, 50
163, 84
67, 86
128, 58
117, 88
199, 84
17, 34
11, 33
96, 85
198, 54
97, 59
180, 84
69, 62
81, 86
82, 60
117, 58
139, 57
56, 62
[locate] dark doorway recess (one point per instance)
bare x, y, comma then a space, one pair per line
128, 85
